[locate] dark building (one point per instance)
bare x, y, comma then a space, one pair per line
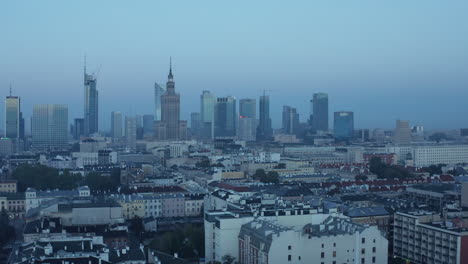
148, 124
343, 125
78, 128
320, 112
225, 117
264, 130
195, 123
290, 120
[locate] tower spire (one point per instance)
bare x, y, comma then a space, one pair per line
10, 89
170, 68
84, 67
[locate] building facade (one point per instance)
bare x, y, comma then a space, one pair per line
343, 125
320, 112
225, 117
49, 127
264, 130
116, 125
91, 104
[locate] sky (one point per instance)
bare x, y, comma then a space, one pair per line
384, 60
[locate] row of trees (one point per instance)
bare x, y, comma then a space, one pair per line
188, 241
385, 171
42, 177
7, 232
270, 177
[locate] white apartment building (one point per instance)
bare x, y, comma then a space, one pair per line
445, 154
421, 237
335, 240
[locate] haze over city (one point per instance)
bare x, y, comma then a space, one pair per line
384, 61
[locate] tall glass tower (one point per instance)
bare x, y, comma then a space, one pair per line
320, 112
158, 91
264, 130
49, 127
343, 125
91, 106
225, 117
12, 117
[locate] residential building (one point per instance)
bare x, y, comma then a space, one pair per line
422, 237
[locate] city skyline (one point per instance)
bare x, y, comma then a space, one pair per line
399, 69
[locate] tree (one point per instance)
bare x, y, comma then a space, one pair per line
228, 259
280, 166
204, 163
376, 165
136, 225
98, 182
438, 136
42, 177
433, 169
7, 232
270, 177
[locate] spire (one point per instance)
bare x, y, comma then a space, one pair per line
170, 76
10, 89
84, 67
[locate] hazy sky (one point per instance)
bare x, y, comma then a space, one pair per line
383, 60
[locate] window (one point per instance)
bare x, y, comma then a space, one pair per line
334, 244
322, 255
373, 250
334, 254
289, 247
373, 259
363, 260
323, 245
289, 257
363, 240
363, 251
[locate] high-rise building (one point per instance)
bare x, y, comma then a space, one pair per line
225, 117
12, 117
78, 128
402, 132
264, 130
247, 108
290, 120
195, 122
116, 125
130, 132
158, 91
207, 106
170, 127
91, 106
343, 125
49, 127
148, 124
320, 112
247, 128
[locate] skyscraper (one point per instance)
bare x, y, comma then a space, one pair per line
91, 106
225, 117
78, 128
130, 132
195, 122
49, 127
290, 120
116, 125
148, 125
320, 112
158, 91
402, 132
170, 127
12, 117
343, 125
264, 130
207, 106
248, 108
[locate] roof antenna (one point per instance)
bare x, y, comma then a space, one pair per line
10, 89
85, 63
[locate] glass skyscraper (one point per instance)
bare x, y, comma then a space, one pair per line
320, 112
264, 130
158, 91
225, 117
343, 125
91, 104
49, 127
12, 117
207, 106
247, 108
116, 125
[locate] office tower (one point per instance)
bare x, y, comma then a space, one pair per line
264, 130
139, 127
116, 125
12, 117
207, 105
195, 123
290, 120
50, 127
158, 91
130, 132
247, 128
21, 127
320, 112
170, 127
225, 117
247, 108
78, 128
343, 125
91, 106
363, 135
402, 132
148, 124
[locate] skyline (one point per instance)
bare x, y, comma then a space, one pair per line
416, 58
